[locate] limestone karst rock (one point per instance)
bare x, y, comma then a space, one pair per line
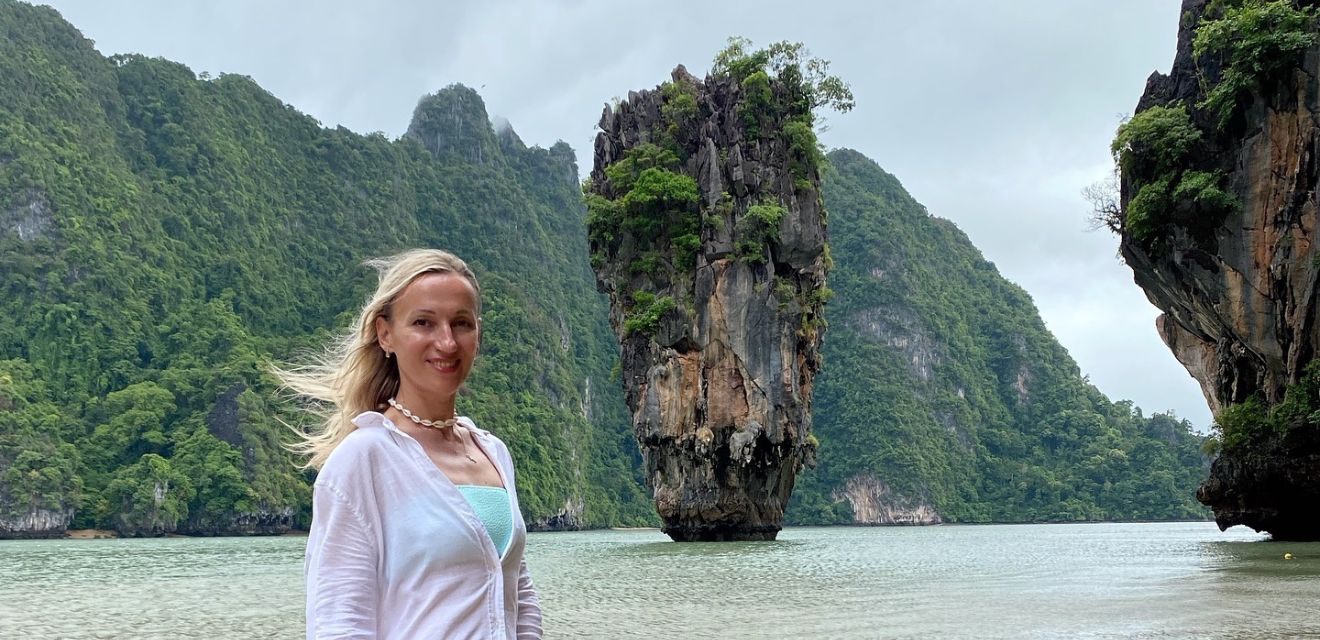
1218, 225
708, 234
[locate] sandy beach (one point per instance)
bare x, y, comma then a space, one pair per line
89, 534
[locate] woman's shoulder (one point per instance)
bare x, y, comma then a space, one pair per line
362, 447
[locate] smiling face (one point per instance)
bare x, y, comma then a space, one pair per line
433, 331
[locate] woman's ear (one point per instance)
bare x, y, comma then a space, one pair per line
383, 335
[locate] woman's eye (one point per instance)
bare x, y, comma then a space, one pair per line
421, 322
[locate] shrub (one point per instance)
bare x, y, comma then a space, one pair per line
804, 151
1155, 141
1199, 191
758, 226
658, 194
647, 310
685, 249
680, 105
650, 263
1153, 150
1253, 426
1254, 41
624, 173
757, 101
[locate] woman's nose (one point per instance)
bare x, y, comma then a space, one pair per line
444, 338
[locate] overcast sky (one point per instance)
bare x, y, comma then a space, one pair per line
993, 114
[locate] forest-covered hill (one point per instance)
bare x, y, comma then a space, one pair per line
944, 397
165, 236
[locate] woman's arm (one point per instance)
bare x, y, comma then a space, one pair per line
341, 570
529, 606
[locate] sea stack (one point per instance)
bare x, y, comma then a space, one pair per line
708, 234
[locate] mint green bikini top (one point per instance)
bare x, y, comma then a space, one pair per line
491, 505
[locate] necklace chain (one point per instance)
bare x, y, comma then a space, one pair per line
434, 424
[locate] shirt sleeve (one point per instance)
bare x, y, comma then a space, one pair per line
340, 571
529, 606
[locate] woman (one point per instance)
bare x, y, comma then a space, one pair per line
416, 531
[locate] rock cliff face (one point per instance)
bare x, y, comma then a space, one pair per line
568, 518
873, 502
1239, 295
708, 235
36, 523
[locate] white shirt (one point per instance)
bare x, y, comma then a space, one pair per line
395, 551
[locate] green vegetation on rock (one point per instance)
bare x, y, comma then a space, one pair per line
1250, 43
646, 312
1253, 427
1172, 179
758, 226
1155, 151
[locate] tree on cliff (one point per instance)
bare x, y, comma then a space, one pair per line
793, 64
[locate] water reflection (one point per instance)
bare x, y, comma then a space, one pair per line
707, 549
1264, 558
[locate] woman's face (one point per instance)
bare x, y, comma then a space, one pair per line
433, 332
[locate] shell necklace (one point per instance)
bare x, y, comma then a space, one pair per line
434, 424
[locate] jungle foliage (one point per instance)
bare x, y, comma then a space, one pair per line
942, 383
164, 237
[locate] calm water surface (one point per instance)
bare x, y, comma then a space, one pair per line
1178, 580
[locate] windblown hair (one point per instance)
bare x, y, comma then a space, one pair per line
353, 375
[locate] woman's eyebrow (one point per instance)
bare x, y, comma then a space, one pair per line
460, 312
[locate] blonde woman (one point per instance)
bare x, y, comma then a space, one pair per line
416, 531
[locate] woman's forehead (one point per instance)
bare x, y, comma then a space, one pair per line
444, 291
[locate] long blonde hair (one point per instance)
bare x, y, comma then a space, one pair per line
353, 375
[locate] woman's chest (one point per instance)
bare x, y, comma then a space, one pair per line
428, 533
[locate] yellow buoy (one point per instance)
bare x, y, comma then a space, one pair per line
1287, 556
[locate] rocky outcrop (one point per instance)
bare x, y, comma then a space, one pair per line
568, 518
1275, 492
30, 217
718, 318
1239, 296
266, 521
452, 124
900, 329
874, 503
36, 523
149, 517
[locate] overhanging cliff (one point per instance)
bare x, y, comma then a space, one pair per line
1218, 223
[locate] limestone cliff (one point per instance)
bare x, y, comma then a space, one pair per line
874, 502
1218, 224
708, 235
34, 523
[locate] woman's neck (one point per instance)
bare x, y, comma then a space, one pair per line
424, 407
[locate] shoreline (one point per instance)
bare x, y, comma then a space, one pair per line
108, 534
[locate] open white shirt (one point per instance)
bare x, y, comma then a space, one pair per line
395, 551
